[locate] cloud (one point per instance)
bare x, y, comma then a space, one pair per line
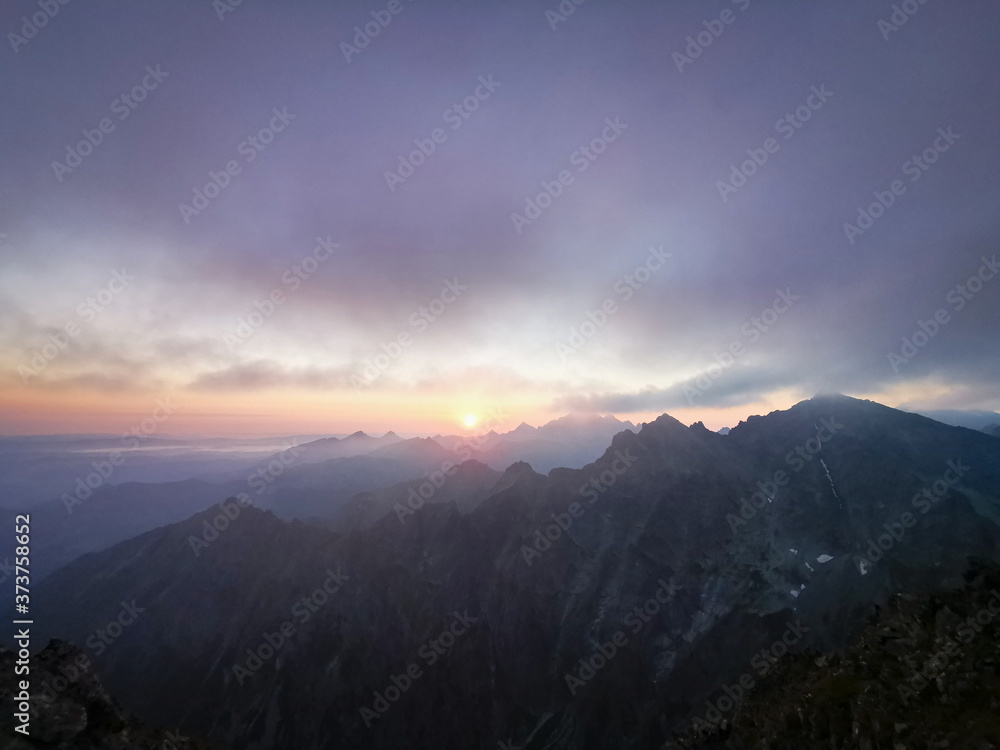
741, 385
656, 185
264, 374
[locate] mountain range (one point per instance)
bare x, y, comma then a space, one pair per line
315, 480
606, 606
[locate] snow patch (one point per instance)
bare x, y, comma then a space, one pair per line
827, 470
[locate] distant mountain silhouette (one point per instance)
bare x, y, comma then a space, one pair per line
110, 514
86, 520
465, 485
357, 444
983, 421
320, 491
571, 441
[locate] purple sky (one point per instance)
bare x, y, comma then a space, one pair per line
506, 338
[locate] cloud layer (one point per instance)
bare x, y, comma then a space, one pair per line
293, 218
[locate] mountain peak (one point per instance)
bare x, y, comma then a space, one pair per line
665, 421
518, 468
820, 395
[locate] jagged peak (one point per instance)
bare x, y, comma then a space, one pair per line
583, 418
517, 472
519, 467
472, 466
662, 423
250, 511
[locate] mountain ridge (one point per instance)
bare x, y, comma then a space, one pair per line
551, 566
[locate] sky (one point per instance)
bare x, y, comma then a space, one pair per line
309, 217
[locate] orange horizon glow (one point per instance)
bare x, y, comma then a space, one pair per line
275, 413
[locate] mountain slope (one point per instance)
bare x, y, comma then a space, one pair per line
924, 674
465, 485
322, 490
109, 515
70, 710
571, 441
973, 420
685, 550
90, 520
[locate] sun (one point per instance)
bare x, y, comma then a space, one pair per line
470, 420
